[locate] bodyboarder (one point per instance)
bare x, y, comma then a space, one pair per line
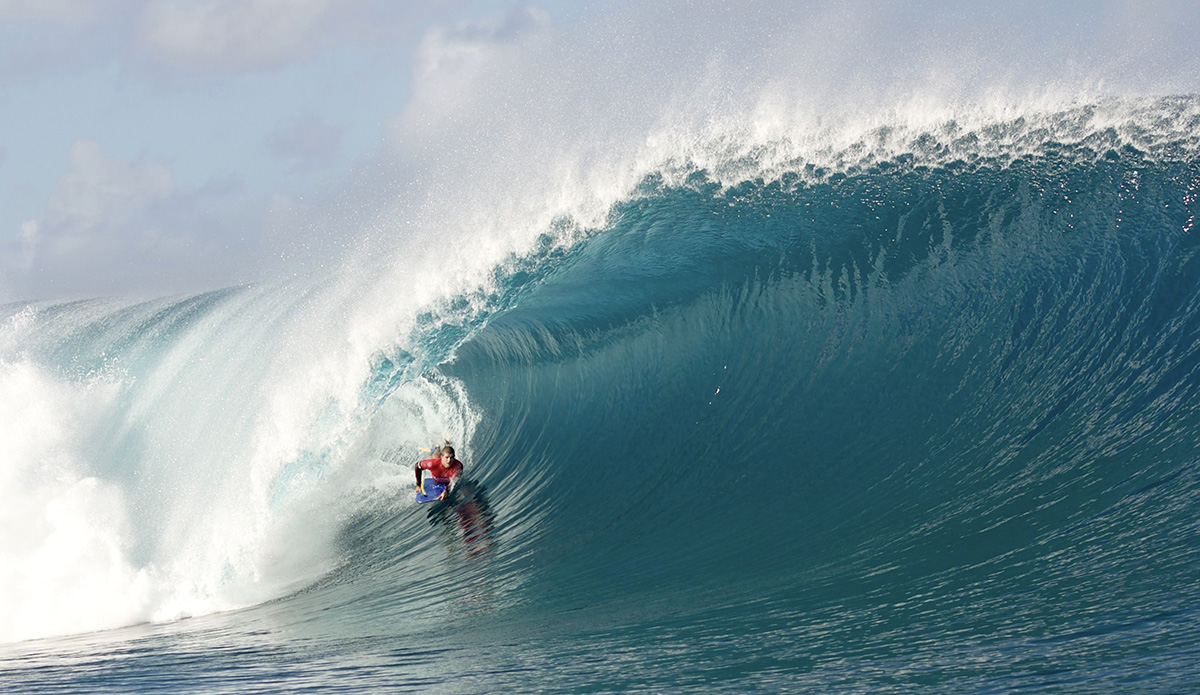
443, 468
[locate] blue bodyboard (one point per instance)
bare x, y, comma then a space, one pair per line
432, 490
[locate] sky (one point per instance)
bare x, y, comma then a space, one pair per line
152, 147
158, 146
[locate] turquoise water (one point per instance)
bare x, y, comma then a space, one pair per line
923, 423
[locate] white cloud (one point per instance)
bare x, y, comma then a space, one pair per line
100, 195
168, 36
254, 34
116, 226
452, 66
229, 33
64, 11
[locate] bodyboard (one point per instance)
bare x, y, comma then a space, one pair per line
429, 491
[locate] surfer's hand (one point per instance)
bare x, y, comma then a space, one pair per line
443, 495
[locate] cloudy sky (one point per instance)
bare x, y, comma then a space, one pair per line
162, 146
167, 145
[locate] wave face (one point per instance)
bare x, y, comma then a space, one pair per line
927, 421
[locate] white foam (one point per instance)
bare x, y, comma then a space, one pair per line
64, 533
204, 468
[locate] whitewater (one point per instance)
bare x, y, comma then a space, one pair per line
891, 403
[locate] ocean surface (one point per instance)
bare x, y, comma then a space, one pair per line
918, 412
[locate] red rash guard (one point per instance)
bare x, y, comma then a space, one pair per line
442, 474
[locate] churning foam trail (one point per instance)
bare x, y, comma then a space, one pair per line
64, 534
187, 456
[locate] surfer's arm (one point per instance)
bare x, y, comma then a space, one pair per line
449, 487
418, 470
455, 472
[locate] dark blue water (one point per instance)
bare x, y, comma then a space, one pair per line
921, 425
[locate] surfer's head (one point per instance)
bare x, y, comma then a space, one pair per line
447, 453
